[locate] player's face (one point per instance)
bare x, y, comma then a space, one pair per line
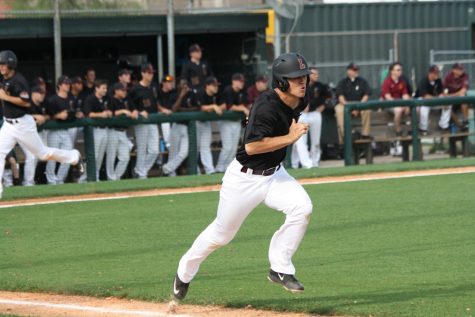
167, 86
261, 85
121, 93
297, 86
213, 88
102, 90
457, 72
239, 84
314, 75
65, 87
125, 78
4, 70
147, 76
91, 76
397, 71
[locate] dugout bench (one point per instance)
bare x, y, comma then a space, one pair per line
380, 118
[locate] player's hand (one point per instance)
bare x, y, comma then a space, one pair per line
134, 114
79, 115
144, 114
218, 110
63, 115
166, 111
296, 130
40, 120
355, 113
3, 94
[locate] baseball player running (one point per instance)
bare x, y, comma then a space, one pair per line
257, 175
19, 126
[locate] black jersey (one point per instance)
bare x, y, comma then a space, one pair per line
167, 99
144, 98
204, 99
78, 101
427, 87
119, 104
317, 93
196, 74
15, 86
93, 104
57, 104
38, 109
232, 97
353, 90
190, 102
269, 117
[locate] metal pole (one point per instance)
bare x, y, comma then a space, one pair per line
160, 57
396, 45
57, 41
192, 164
171, 39
416, 151
347, 136
277, 36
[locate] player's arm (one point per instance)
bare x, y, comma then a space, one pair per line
270, 144
122, 112
17, 101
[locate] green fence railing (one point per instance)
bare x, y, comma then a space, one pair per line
156, 118
384, 104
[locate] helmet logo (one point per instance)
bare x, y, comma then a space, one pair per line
301, 63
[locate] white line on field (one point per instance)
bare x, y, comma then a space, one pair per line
87, 308
338, 179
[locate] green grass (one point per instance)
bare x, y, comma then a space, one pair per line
400, 247
199, 180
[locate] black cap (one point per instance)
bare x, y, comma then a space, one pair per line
147, 68
76, 80
38, 89
39, 81
263, 78
168, 79
457, 66
434, 69
211, 81
194, 48
237, 76
352, 66
123, 71
63, 80
119, 86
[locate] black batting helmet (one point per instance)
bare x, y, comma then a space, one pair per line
288, 65
9, 58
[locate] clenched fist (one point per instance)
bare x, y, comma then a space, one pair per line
296, 130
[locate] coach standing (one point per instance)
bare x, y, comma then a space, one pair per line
195, 71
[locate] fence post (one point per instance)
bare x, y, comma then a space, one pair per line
90, 155
416, 151
347, 136
193, 148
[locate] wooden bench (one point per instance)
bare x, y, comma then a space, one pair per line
382, 131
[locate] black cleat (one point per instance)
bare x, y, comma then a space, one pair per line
289, 282
179, 288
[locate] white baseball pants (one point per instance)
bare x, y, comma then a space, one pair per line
300, 153
146, 136
117, 147
24, 132
444, 117
29, 169
100, 146
203, 131
179, 147
62, 140
239, 195
230, 133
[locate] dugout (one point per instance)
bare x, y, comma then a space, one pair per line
106, 42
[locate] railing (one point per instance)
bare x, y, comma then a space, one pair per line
412, 103
189, 117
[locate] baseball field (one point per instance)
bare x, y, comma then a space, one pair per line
383, 247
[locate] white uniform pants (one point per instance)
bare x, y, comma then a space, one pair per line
230, 133
166, 126
239, 195
443, 121
25, 133
100, 146
117, 147
179, 147
29, 169
146, 136
300, 153
62, 140
203, 131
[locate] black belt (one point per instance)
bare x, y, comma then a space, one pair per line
266, 172
11, 121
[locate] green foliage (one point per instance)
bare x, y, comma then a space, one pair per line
400, 247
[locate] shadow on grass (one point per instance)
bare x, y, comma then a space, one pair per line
339, 304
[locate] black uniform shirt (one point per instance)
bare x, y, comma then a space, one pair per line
232, 97
15, 86
37, 109
189, 102
317, 93
269, 117
92, 104
167, 99
196, 74
427, 87
204, 99
353, 90
56, 104
78, 101
119, 104
144, 98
